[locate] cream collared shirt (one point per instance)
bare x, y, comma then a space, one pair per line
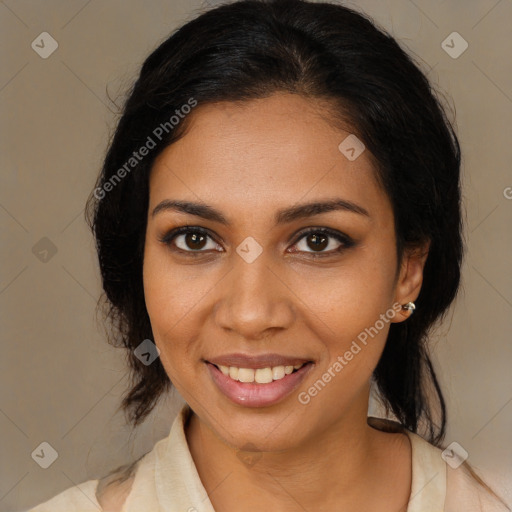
166, 480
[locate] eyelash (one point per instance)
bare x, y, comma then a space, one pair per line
346, 241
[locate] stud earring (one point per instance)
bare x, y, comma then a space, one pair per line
409, 306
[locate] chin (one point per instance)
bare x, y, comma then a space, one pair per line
263, 429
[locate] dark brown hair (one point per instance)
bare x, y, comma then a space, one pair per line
251, 49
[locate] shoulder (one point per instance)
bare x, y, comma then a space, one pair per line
462, 487
81, 497
438, 484
107, 494
128, 487
465, 490
114, 489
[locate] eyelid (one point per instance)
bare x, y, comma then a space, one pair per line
333, 233
170, 236
345, 241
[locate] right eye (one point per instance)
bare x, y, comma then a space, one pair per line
188, 239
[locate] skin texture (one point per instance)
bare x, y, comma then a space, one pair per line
249, 160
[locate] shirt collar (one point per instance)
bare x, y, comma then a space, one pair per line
179, 487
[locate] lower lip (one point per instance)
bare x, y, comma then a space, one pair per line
251, 394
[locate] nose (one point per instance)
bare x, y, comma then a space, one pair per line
254, 300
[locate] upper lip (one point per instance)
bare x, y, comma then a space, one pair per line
257, 361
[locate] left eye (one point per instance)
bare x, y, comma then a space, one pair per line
322, 238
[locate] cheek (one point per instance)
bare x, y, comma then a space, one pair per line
353, 308
349, 298
168, 293
352, 353
165, 302
173, 301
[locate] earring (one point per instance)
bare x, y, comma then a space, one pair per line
409, 306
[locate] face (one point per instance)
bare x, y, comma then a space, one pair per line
262, 282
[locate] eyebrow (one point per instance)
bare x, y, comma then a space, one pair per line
283, 216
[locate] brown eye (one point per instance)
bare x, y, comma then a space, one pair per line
315, 242
195, 241
191, 240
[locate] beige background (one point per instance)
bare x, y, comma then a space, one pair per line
61, 382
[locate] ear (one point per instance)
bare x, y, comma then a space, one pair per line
409, 281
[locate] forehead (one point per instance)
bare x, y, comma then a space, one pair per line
262, 154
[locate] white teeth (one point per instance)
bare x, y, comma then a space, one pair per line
245, 374
278, 372
263, 375
260, 375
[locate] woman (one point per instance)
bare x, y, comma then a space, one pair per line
279, 211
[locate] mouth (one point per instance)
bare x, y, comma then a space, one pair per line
258, 387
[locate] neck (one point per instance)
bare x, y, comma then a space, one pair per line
338, 467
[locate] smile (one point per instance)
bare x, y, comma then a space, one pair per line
259, 387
